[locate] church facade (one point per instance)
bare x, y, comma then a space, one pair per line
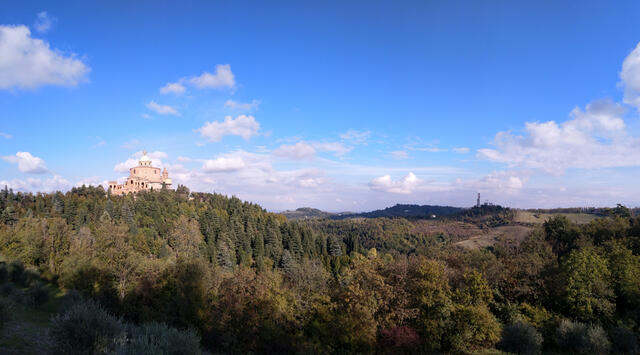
142, 178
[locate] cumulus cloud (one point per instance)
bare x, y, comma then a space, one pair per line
406, 185
509, 182
223, 164
246, 106
156, 160
28, 63
630, 77
27, 163
173, 88
300, 150
243, 126
308, 150
356, 137
56, 183
222, 78
162, 109
44, 21
399, 154
591, 139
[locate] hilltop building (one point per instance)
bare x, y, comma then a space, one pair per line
141, 178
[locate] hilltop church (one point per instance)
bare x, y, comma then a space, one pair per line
142, 178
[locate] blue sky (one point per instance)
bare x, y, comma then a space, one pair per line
335, 105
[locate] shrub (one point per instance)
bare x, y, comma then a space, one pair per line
521, 338
37, 294
597, 340
576, 337
6, 311
16, 272
71, 298
4, 272
29, 276
158, 338
623, 341
6, 289
85, 328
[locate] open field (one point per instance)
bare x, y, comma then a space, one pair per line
539, 218
512, 233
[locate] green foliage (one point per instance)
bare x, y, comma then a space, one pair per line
623, 341
6, 311
521, 338
37, 294
586, 292
249, 281
158, 338
86, 328
472, 328
576, 337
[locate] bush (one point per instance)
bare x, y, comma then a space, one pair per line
29, 276
86, 328
576, 337
521, 338
623, 341
37, 294
6, 289
71, 298
6, 311
16, 272
4, 272
158, 338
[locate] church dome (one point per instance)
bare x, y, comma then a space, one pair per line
145, 157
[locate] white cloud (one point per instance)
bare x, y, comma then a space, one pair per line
146, 116
591, 139
223, 164
247, 106
27, 163
243, 126
28, 63
44, 22
5, 135
337, 148
223, 78
356, 137
300, 150
509, 182
461, 150
183, 159
399, 154
56, 183
406, 185
100, 142
173, 88
156, 160
162, 109
630, 77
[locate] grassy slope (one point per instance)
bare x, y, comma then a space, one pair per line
26, 332
539, 218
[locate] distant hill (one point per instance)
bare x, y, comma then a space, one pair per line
406, 211
306, 213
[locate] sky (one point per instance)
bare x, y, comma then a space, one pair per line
342, 106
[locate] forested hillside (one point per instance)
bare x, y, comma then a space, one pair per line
240, 279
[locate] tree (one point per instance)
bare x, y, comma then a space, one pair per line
586, 289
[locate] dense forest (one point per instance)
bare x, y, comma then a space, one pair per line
183, 272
